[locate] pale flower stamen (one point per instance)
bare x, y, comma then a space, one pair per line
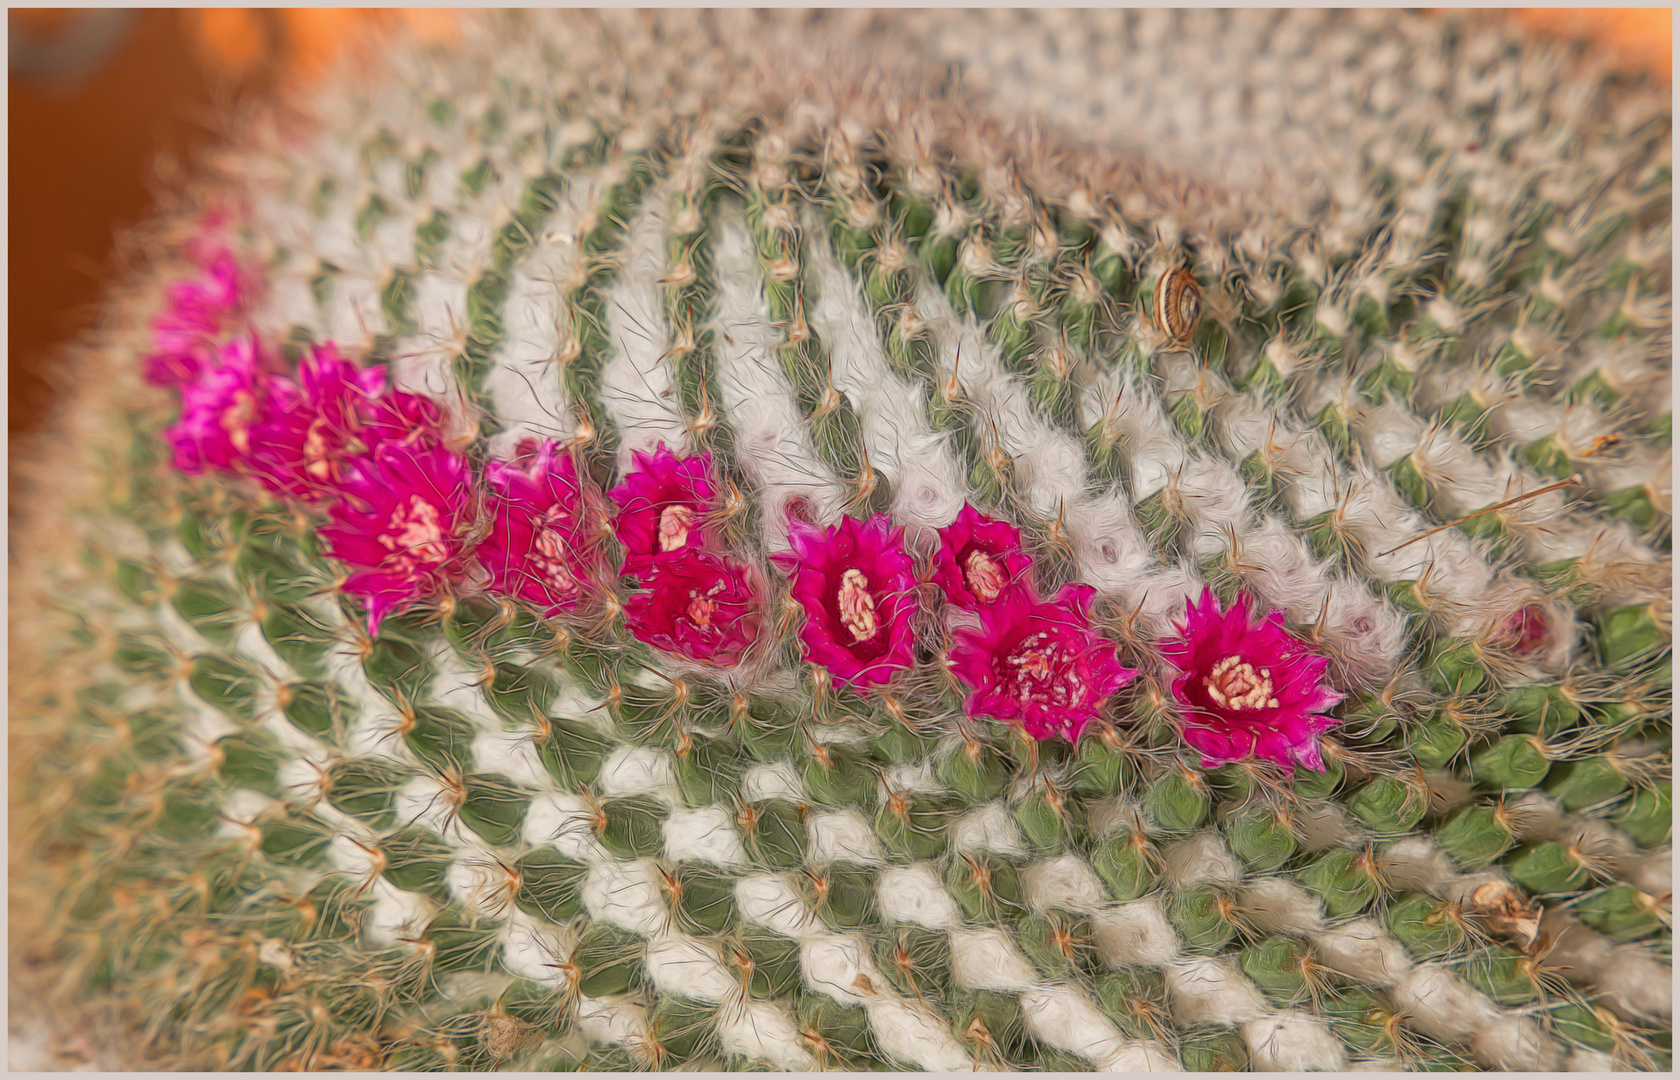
984, 576
674, 523
1234, 684
857, 607
552, 554
415, 532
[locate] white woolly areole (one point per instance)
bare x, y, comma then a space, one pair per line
1582, 1059
477, 882
1414, 863
1515, 1044
1065, 882
901, 445
610, 1020
626, 894
563, 820
705, 835
776, 780
988, 828
240, 809
771, 438
1052, 462
768, 899
1067, 1020
1363, 951
840, 966
1650, 872
1639, 986
1138, 1056
683, 965
439, 311
761, 1031
423, 801
1390, 433
1135, 933
1441, 1005
914, 894
843, 836
634, 770
636, 385
1277, 905
989, 960
1202, 859
909, 1032
1292, 1042
397, 915
529, 950
514, 755
1207, 991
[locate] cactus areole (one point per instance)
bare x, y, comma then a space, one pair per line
930, 540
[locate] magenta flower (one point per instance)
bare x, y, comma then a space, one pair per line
663, 507
222, 406
856, 586
343, 411
198, 311
978, 558
698, 605
1248, 689
1038, 663
537, 547
398, 525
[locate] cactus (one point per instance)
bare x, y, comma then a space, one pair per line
701, 549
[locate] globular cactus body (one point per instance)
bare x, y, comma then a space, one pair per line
829, 574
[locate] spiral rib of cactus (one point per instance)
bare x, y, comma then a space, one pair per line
1100, 541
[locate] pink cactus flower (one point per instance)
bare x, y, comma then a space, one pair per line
859, 594
978, 558
398, 525
663, 507
538, 549
698, 605
1038, 663
222, 407
198, 311
1249, 689
343, 411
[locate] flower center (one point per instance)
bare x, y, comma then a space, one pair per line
415, 532
983, 574
857, 607
315, 451
701, 607
674, 523
235, 419
552, 554
1040, 669
1234, 684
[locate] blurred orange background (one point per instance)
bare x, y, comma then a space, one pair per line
111, 97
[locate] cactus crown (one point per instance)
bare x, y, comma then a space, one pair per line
696, 548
